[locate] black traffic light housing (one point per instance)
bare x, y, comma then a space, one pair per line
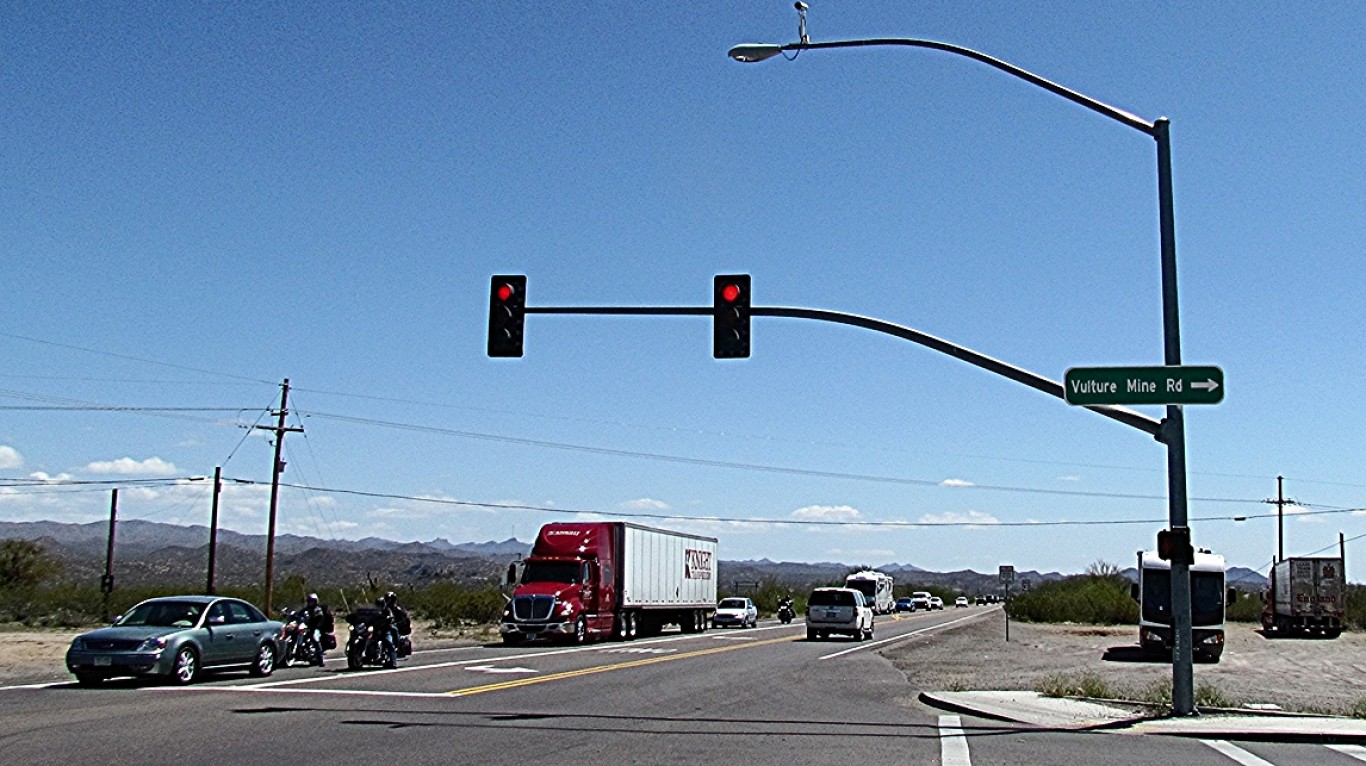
1174, 545
730, 316
507, 314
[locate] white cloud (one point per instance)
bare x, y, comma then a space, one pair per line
41, 476
10, 458
971, 518
129, 466
646, 504
827, 513
862, 554
956, 483
1069, 478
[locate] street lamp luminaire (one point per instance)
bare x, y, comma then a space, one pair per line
1173, 430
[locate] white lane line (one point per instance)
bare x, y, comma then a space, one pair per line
35, 686
903, 636
1356, 751
483, 659
953, 746
1236, 753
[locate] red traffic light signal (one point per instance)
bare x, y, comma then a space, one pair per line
730, 316
507, 315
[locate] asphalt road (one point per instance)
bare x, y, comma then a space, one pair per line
761, 696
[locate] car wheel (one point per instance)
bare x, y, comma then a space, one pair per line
186, 668
265, 660
89, 679
512, 639
810, 635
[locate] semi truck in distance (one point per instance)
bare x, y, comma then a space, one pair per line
876, 588
1153, 591
1306, 595
589, 580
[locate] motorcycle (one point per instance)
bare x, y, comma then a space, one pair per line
298, 645
786, 613
367, 644
295, 646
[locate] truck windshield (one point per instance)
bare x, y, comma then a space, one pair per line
551, 571
1207, 597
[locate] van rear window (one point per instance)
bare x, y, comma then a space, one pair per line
831, 598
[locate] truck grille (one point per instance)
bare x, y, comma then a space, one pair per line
532, 607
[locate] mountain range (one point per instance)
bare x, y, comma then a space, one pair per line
153, 553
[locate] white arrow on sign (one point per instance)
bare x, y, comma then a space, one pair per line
492, 669
1206, 385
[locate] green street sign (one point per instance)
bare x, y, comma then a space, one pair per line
1144, 385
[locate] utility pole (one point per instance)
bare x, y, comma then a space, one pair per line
279, 467
213, 527
1280, 502
107, 581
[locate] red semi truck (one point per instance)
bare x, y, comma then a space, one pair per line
610, 579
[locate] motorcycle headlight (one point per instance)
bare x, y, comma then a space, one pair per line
152, 645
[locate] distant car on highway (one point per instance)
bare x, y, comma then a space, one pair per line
905, 604
179, 637
921, 600
838, 610
735, 612
936, 602
960, 601
981, 600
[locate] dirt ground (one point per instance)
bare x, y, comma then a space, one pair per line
1303, 674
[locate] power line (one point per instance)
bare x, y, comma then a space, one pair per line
758, 467
791, 521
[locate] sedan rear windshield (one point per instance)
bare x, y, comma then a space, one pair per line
831, 598
731, 603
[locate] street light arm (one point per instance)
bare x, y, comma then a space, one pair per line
753, 52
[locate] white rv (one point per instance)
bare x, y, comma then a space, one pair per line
876, 588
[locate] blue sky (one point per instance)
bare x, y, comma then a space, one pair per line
199, 200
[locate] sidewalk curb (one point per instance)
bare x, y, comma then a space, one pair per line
1053, 714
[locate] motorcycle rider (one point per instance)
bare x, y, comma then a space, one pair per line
786, 603
314, 619
397, 621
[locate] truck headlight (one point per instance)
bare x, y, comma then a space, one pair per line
567, 607
1214, 639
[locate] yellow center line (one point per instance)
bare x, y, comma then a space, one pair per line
618, 666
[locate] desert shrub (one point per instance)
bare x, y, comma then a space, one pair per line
448, 604
1101, 599
1074, 685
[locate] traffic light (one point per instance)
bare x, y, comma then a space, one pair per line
730, 316
1174, 545
507, 314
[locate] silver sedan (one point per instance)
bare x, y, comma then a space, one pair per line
178, 637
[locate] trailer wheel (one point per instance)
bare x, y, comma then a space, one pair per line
581, 631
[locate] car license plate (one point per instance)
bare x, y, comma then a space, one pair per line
103, 662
